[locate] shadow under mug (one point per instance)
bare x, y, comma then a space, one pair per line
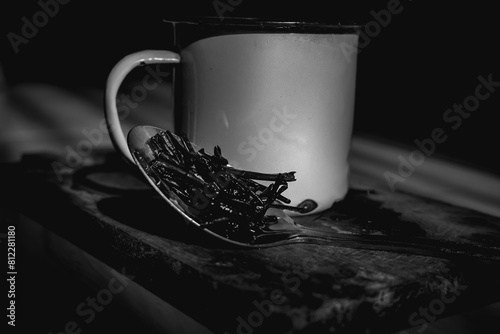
275, 96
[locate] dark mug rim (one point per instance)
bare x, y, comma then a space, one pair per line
258, 24
192, 29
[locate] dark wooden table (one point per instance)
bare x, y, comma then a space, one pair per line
104, 217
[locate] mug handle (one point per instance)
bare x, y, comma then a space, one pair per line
115, 79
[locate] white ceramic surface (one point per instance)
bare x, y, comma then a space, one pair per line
275, 102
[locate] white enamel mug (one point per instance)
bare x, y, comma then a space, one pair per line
275, 96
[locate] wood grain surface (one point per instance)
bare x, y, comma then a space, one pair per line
105, 208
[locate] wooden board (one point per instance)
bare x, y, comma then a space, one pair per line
105, 208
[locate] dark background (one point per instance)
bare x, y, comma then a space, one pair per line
426, 59
418, 66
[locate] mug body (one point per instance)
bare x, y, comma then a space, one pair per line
275, 101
